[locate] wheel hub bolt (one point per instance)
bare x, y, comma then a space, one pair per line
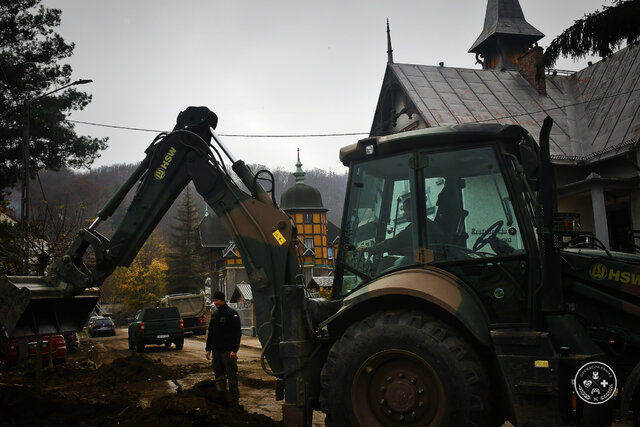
413, 414
413, 380
389, 379
381, 401
400, 375
420, 404
383, 388
400, 396
420, 390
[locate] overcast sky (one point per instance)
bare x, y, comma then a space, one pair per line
281, 67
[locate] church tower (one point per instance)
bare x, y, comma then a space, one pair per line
304, 204
506, 36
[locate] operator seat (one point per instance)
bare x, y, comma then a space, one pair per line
450, 215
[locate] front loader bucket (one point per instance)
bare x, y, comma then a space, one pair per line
30, 306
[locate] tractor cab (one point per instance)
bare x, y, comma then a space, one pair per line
421, 199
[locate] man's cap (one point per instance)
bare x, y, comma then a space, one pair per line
218, 295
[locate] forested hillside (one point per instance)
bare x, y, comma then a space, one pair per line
86, 193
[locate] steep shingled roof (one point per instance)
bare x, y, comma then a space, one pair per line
607, 114
596, 111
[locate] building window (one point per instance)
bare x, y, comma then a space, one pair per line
308, 243
307, 218
330, 253
411, 126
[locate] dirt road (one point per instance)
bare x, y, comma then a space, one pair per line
256, 387
104, 383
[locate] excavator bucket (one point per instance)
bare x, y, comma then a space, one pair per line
30, 306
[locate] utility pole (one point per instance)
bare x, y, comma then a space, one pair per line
24, 206
26, 139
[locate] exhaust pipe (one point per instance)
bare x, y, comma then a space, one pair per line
30, 305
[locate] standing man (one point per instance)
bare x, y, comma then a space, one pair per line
223, 341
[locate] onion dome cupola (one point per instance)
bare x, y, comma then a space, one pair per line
301, 196
505, 37
304, 204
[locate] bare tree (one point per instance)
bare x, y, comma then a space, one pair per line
28, 248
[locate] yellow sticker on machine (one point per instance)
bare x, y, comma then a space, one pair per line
279, 237
162, 170
541, 364
600, 271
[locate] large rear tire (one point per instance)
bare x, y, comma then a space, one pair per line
403, 368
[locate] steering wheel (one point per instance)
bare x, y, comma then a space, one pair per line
364, 258
488, 235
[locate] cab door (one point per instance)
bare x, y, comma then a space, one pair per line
472, 229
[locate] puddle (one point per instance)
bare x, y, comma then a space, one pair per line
173, 386
151, 391
190, 380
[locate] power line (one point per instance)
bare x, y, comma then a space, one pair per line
306, 135
315, 135
575, 104
115, 126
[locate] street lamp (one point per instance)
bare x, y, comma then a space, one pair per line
24, 210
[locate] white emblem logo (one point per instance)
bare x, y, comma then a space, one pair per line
595, 383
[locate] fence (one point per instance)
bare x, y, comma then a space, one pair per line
245, 311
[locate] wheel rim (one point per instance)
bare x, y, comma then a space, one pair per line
397, 388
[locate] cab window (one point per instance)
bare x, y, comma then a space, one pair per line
467, 200
378, 222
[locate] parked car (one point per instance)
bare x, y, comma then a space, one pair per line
101, 326
58, 349
161, 326
72, 340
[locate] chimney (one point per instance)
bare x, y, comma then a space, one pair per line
531, 66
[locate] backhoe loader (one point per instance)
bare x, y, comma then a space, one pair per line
493, 306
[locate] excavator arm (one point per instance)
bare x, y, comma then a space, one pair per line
264, 235
171, 162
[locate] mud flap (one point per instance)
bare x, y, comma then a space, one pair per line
30, 306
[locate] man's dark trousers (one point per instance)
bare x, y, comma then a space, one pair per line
223, 366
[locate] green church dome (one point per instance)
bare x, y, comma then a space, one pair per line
301, 195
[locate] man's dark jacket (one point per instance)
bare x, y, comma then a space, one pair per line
224, 330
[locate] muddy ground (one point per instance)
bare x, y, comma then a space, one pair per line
103, 383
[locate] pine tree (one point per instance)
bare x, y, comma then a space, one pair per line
598, 33
30, 59
186, 256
